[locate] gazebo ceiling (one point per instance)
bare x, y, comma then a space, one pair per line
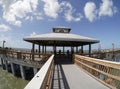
60, 39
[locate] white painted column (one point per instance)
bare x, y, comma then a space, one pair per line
12, 68
22, 70
6, 65
35, 70
2, 63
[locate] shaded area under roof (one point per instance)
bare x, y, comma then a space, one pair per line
60, 39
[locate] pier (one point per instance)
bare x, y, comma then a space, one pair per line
61, 69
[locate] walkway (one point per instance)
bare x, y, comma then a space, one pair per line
70, 76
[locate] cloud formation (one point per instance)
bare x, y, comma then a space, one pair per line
14, 10
4, 28
68, 10
106, 8
51, 8
90, 11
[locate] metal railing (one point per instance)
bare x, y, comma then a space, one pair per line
106, 72
42, 80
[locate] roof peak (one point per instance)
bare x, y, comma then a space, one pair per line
61, 30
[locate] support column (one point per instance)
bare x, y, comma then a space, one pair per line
89, 50
76, 49
6, 65
22, 70
42, 49
2, 63
82, 49
63, 50
72, 49
33, 51
39, 50
35, 70
45, 49
12, 68
54, 49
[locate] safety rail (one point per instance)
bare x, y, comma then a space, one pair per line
42, 80
17, 54
106, 72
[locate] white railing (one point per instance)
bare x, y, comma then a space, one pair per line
42, 80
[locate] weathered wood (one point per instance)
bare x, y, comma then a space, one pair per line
105, 71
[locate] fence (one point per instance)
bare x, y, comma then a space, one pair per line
106, 72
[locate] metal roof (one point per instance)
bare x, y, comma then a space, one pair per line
60, 37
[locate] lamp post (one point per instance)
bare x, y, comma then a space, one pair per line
4, 43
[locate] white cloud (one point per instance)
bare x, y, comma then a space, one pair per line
33, 34
90, 11
4, 28
107, 8
51, 8
14, 10
68, 10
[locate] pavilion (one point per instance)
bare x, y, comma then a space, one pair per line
60, 37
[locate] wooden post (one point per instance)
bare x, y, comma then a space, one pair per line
82, 49
54, 49
33, 51
89, 50
39, 51
63, 49
43, 49
76, 49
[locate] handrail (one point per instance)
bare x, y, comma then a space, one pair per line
23, 54
42, 80
106, 72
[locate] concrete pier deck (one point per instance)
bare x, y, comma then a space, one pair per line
70, 76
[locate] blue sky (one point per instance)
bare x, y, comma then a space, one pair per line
99, 19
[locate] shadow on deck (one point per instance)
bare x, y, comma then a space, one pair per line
69, 76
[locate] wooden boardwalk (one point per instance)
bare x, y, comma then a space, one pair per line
70, 76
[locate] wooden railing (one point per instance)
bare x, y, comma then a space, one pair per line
23, 54
42, 80
105, 71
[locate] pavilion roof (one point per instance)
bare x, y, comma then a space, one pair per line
60, 39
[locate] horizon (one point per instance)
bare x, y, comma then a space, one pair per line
96, 19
